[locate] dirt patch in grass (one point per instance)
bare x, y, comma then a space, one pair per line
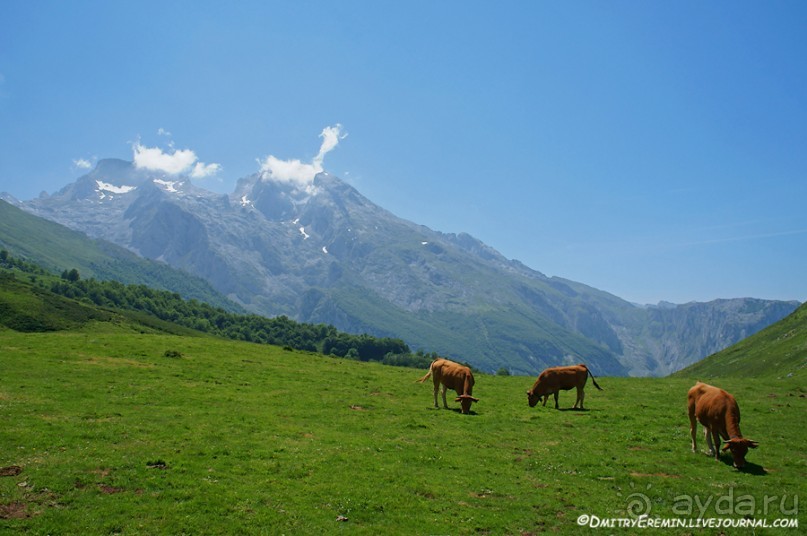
109, 490
11, 470
15, 510
103, 473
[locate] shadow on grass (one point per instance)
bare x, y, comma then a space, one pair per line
754, 469
750, 468
455, 410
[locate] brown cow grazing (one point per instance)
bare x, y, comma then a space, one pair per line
554, 379
452, 376
719, 414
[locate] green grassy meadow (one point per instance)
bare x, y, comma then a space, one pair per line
113, 435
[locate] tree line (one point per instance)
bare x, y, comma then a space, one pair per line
200, 316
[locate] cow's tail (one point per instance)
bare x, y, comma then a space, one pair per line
593, 380
426, 377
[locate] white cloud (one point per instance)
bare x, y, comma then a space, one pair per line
330, 139
154, 159
82, 163
173, 162
296, 171
202, 170
162, 132
288, 170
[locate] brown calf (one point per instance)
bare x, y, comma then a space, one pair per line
556, 379
719, 414
452, 376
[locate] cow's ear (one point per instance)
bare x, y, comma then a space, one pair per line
727, 446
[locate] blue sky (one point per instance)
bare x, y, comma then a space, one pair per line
654, 150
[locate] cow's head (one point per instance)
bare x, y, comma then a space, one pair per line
534, 398
739, 448
465, 401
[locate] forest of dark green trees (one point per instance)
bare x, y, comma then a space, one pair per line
193, 314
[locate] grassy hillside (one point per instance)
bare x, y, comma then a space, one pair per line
33, 300
27, 306
778, 351
115, 428
58, 248
24, 307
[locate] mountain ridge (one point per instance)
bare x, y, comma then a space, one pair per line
57, 248
777, 351
321, 252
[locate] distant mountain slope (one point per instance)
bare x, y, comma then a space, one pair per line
322, 253
57, 248
777, 351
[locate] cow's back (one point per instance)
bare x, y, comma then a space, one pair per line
558, 378
710, 403
576, 376
454, 376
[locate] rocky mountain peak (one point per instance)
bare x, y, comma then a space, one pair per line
319, 251
113, 179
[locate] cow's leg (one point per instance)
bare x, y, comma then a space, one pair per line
445, 404
708, 436
436, 388
556, 399
716, 440
693, 427
581, 394
546, 397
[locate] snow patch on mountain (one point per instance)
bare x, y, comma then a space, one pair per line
168, 186
111, 188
